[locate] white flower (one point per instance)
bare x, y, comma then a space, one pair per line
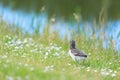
95, 70
69, 64
4, 56
107, 73
45, 57
27, 45
18, 42
25, 40
110, 63
110, 70
115, 71
56, 54
25, 65
51, 43
46, 53
88, 69
34, 50
89, 53
103, 73
48, 68
7, 61
16, 47
9, 78
57, 48
113, 75
32, 69
48, 50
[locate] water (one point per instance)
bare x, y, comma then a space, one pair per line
29, 22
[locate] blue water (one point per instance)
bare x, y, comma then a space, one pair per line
29, 22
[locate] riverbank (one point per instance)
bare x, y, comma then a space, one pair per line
33, 57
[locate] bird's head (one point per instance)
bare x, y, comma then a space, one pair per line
72, 44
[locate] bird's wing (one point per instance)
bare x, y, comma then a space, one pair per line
77, 52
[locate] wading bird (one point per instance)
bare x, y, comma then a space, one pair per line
76, 54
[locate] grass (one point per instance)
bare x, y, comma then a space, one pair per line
45, 57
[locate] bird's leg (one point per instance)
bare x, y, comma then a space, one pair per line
83, 63
77, 63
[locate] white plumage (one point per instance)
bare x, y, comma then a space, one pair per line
76, 58
76, 54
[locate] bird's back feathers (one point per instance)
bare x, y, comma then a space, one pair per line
77, 52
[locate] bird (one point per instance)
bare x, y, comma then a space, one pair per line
76, 54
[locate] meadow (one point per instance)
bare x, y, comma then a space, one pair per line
45, 57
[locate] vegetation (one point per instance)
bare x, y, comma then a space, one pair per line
45, 57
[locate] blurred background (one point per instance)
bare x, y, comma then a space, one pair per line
100, 18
